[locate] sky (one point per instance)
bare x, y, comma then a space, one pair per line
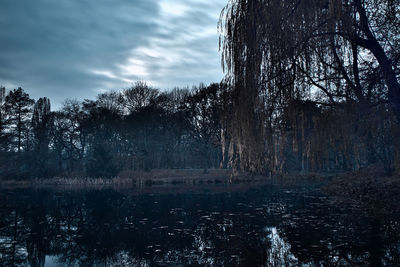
80, 48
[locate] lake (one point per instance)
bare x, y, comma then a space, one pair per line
178, 225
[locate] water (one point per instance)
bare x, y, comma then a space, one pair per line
221, 225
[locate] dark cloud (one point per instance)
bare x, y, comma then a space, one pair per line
78, 48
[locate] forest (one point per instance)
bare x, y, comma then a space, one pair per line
310, 86
140, 128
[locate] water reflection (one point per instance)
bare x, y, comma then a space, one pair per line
261, 226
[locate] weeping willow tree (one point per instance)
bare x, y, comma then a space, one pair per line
327, 51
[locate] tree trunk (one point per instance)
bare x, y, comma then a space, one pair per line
374, 46
19, 131
389, 74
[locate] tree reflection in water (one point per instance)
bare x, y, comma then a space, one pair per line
265, 225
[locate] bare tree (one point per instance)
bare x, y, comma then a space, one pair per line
112, 101
138, 96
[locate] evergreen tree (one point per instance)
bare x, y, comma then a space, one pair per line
18, 107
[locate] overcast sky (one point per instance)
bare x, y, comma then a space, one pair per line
79, 48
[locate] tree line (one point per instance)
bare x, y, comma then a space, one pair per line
140, 128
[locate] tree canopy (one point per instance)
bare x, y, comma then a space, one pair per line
331, 52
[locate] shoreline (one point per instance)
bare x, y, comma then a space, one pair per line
363, 186
369, 189
153, 177
175, 176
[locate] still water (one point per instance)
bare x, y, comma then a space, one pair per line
221, 225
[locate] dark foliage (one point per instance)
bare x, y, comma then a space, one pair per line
139, 128
316, 78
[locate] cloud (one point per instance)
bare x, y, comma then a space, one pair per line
78, 48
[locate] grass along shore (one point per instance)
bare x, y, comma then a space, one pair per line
153, 177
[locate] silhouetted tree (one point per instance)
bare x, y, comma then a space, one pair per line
176, 126
102, 125
3, 134
113, 101
41, 125
279, 51
58, 138
18, 107
74, 136
138, 96
203, 115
